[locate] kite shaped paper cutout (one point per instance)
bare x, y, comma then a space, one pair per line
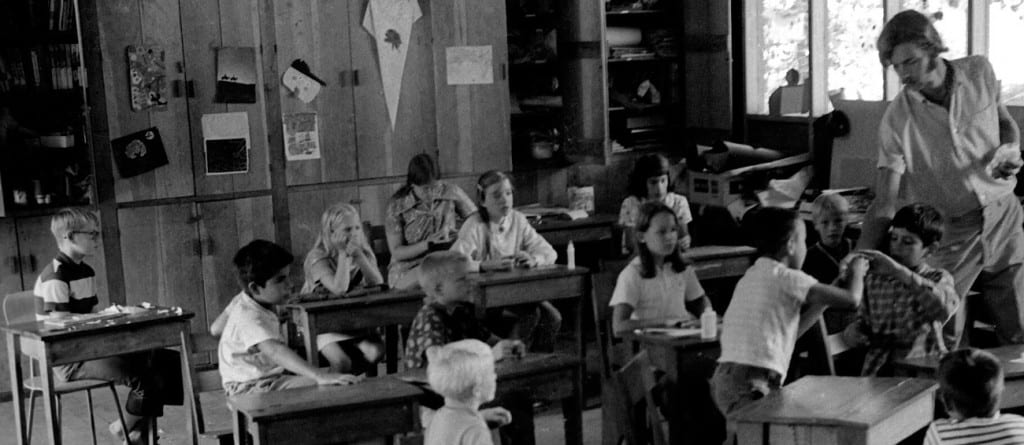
390, 23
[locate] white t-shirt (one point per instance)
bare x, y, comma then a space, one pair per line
661, 297
248, 325
760, 326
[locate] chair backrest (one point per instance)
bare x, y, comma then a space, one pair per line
378, 240
20, 307
818, 350
600, 296
635, 383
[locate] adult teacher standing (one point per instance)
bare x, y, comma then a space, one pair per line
948, 142
422, 216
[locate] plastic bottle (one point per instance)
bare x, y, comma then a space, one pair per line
570, 256
708, 324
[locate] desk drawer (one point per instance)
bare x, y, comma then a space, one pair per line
553, 385
722, 268
561, 237
535, 291
106, 344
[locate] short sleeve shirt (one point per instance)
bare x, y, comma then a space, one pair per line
65, 286
415, 219
248, 325
438, 324
454, 426
943, 155
760, 326
661, 297
629, 213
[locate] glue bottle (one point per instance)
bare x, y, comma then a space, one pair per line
570, 256
708, 324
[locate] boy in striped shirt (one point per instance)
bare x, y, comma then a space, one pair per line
970, 386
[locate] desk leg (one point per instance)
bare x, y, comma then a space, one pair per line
50, 400
188, 381
17, 391
391, 348
572, 411
309, 336
239, 427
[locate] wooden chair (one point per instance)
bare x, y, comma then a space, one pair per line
20, 308
600, 296
207, 379
379, 243
643, 423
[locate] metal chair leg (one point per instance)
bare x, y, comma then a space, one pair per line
92, 418
31, 412
120, 411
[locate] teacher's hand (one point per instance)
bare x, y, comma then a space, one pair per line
1007, 162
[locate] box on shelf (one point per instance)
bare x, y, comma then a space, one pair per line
720, 189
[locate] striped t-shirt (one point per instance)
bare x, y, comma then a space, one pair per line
65, 286
1003, 429
760, 326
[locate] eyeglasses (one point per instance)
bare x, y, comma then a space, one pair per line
89, 233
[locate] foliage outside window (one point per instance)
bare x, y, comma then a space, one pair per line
854, 72
783, 43
1006, 32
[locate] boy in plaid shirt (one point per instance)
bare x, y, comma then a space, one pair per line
906, 302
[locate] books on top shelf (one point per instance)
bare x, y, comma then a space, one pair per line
54, 66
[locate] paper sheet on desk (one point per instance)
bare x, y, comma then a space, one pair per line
1018, 360
785, 192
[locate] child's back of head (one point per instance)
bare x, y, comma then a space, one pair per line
258, 261
970, 383
922, 220
438, 267
769, 229
462, 371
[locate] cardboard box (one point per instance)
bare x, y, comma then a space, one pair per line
720, 189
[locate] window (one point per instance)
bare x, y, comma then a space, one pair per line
854, 72
783, 42
1006, 31
950, 18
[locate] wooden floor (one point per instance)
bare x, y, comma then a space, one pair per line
76, 422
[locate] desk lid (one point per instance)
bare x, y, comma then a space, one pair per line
532, 363
830, 400
299, 402
1010, 356
44, 331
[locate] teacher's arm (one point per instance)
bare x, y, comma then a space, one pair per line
1009, 132
883, 207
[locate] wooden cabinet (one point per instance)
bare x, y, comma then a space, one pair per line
188, 32
180, 254
352, 110
473, 126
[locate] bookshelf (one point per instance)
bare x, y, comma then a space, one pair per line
46, 161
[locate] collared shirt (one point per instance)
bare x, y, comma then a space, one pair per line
496, 240
760, 326
944, 156
248, 325
661, 297
415, 218
902, 320
438, 324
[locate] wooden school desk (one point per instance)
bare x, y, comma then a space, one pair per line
720, 261
132, 333
1013, 372
545, 377
593, 228
688, 363
388, 309
825, 410
376, 407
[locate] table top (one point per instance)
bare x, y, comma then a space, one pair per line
704, 253
518, 275
42, 331
1006, 355
831, 400
600, 219
384, 297
303, 401
509, 368
653, 337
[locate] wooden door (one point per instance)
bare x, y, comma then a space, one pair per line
38, 248
317, 32
708, 65
205, 26
473, 127
153, 23
224, 227
383, 149
305, 209
161, 256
